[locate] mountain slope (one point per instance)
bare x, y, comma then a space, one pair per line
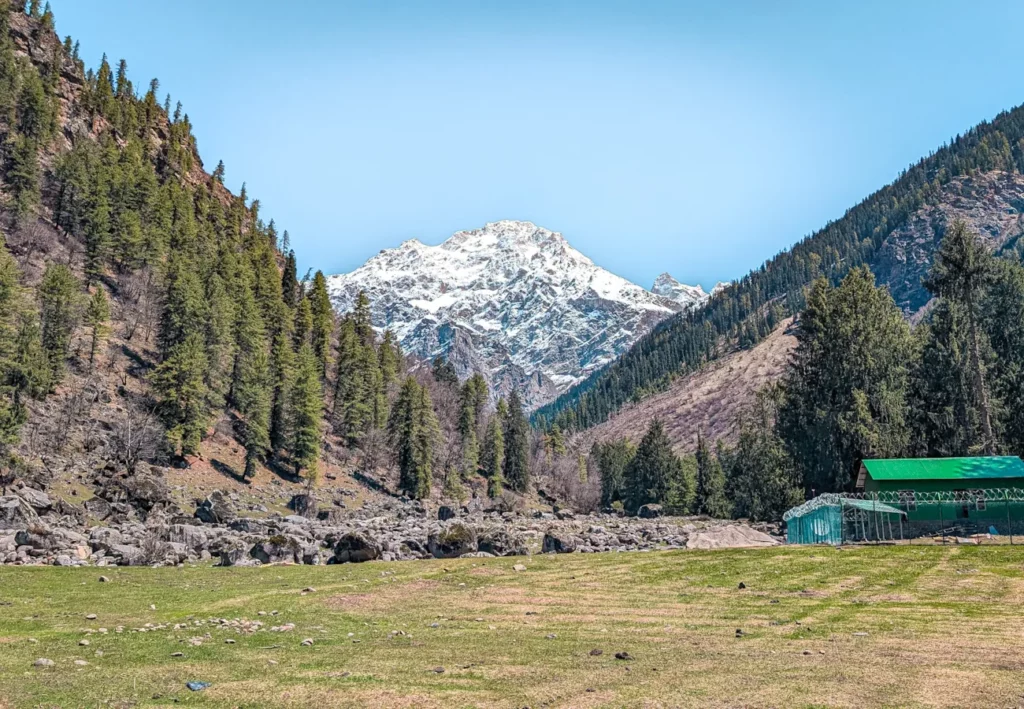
709, 400
513, 301
748, 310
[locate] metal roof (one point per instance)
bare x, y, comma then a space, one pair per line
838, 500
945, 468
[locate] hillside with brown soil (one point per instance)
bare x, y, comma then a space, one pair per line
710, 400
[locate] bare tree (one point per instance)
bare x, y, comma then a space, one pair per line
136, 437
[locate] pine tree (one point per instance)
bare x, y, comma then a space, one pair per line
517, 446
648, 476
1003, 315
23, 178
710, 488
612, 459
962, 271
427, 433
289, 281
303, 324
361, 319
306, 414
321, 322
180, 387
96, 316
255, 397
388, 360
413, 431
554, 442
467, 428
59, 310
492, 457
282, 374
249, 332
185, 310
846, 387
762, 481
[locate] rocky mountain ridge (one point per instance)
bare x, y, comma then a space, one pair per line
513, 301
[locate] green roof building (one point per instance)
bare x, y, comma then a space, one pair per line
940, 473
908, 497
950, 491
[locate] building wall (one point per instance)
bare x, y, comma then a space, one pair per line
995, 513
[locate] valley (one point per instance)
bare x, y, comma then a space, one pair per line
924, 626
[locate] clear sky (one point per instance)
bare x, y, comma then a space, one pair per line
697, 138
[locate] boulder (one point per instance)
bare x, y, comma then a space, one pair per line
217, 508
303, 505
649, 511
501, 542
36, 499
15, 513
445, 513
356, 547
452, 541
558, 541
127, 555
236, 554
195, 539
276, 550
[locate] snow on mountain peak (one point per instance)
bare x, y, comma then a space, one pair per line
687, 296
513, 301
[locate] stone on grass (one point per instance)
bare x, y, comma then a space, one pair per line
43, 662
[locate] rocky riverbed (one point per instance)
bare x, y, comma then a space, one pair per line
133, 522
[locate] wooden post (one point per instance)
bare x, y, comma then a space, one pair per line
941, 523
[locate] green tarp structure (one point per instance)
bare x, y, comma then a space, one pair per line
821, 520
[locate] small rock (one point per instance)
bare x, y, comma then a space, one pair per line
741, 586
740, 633
596, 652
309, 589
83, 643
81, 663
177, 654
229, 641
91, 616
550, 636
438, 670
860, 635
43, 662
623, 656
519, 567
104, 579
197, 686
271, 662
807, 652
307, 642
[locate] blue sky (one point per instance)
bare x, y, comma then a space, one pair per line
697, 138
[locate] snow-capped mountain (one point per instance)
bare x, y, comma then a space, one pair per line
687, 296
512, 301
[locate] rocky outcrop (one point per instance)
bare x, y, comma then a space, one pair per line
991, 203
390, 530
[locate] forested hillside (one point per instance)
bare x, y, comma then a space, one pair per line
146, 312
748, 310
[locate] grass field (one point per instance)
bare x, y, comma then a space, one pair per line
883, 626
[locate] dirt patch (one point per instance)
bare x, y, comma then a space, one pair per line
710, 400
383, 597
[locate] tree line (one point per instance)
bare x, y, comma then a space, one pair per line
861, 383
